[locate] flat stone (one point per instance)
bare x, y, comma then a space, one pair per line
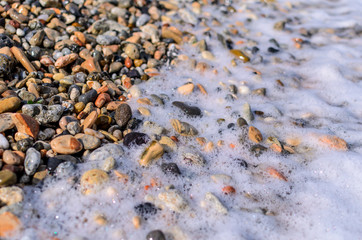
6, 122
188, 110
152, 152
108, 150
132, 51
42, 113
89, 142
123, 114
26, 124
183, 128
32, 161
66, 144
168, 144
255, 135
9, 104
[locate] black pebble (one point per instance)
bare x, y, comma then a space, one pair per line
135, 138
145, 210
170, 168
273, 50
155, 235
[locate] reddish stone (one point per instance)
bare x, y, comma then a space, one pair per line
102, 99
128, 62
26, 124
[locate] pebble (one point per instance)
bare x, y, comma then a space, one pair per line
12, 158
135, 138
89, 142
11, 195
32, 161
221, 178
6, 122
92, 180
155, 235
168, 144
144, 111
26, 124
170, 168
42, 113
108, 40
73, 128
152, 152
145, 210
188, 110
193, 158
108, 150
66, 144
153, 127
255, 135
7, 178
211, 201
183, 128
247, 113
186, 89
132, 51
173, 200
109, 164
123, 114
334, 142
4, 143
9, 104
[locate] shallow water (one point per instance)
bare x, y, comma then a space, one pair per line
322, 88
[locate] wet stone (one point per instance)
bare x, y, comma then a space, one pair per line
24, 144
32, 161
7, 178
135, 138
66, 144
108, 150
123, 114
156, 235
188, 110
4, 143
170, 168
89, 142
89, 96
145, 210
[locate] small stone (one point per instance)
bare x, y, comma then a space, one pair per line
9, 104
89, 96
144, 111
7, 178
26, 124
156, 235
239, 54
188, 110
221, 178
211, 201
4, 143
168, 144
89, 142
108, 150
135, 138
11, 195
90, 120
109, 164
42, 113
12, 158
255, 135
170, 168
6, 122
66, 144
9, 224
207, 55
152, 152
334, 142
65, 120
173, 200
145, 210
73, 128
92, 180
193, 158
247, 113
65, 60
108, 40
32, 161
186, 89
153, 127
123, 114
241, 122
183, 128
132, 51
37, 38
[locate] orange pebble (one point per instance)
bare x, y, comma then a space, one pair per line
228, 190
274, 173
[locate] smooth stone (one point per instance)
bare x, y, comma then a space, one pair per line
27, 96
108, 164
211, 201
183, 128
89, 142
6, 122
247, 113
4, 143
65, 120
65, 169
135, 138
9, 224
123, 114
193, 158
188, 110
66, 144
73, 128
108, 40
10, 157
89, 96
132, 51
92, 180
142, 20
156, 235
108, 150
153, 128
7, 178
32, 161
53, 162
24, 144
187, 16
9, 104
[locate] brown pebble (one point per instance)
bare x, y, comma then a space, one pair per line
255, 135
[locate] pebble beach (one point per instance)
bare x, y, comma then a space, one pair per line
181, 119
